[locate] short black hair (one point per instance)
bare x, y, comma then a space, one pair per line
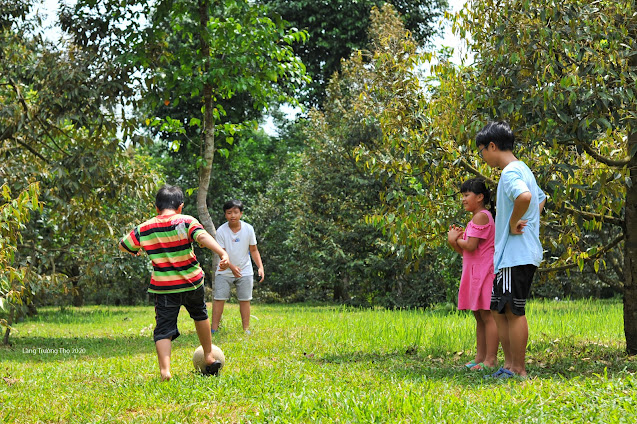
498, 132
233, 204
169, 197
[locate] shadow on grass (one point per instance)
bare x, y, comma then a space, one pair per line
568, 361
51, 349
75, 315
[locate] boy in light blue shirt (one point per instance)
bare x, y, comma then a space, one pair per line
518, 251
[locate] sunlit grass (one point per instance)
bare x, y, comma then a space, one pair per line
316, 364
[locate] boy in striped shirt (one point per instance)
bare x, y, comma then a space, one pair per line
177, 277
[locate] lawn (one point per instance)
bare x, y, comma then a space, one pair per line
317, 364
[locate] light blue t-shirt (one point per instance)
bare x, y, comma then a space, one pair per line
513, 249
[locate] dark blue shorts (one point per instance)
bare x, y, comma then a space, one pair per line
167, 310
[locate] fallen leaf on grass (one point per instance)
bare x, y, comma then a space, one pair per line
12, 381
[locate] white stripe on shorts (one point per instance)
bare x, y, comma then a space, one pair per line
507, 280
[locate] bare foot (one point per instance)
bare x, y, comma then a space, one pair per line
165, 376
521, 372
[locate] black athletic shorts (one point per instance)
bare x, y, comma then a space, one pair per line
512, 286
167, 310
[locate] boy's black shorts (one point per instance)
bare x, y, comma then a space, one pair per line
512, 286
167, 309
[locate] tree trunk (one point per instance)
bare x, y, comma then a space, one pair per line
340, 289
208, 134
78, 293
630, 254
5, 340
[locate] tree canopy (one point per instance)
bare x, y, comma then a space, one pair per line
338, 28
58, 131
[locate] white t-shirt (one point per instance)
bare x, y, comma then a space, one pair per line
238, 247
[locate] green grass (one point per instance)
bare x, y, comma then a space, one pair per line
317, 364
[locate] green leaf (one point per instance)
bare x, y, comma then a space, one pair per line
605, 122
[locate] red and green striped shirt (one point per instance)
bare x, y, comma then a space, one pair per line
167, 239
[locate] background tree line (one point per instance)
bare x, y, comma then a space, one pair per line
351, 199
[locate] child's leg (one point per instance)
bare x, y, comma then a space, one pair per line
502, 324
481, 347
217, 311
163, 347
244, 309
491, 338
518, 338
222, 293
244, 296
166, 313
205, 339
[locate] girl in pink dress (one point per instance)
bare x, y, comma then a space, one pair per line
475, 244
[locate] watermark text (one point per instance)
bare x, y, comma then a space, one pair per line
54, 351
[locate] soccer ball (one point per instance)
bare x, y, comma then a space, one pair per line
198, 359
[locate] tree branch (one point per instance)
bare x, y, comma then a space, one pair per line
466, 165
30, 149
25, 106
604, 218
599, 253
614, 284
603, 159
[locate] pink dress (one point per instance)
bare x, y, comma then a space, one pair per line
477, 267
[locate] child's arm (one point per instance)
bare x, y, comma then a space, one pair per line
470, 244
520, 206
206, 240
542, 198
135, 250
256, 257
235, 270
452, 237
123, 249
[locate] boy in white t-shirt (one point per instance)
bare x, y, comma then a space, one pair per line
238, 239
